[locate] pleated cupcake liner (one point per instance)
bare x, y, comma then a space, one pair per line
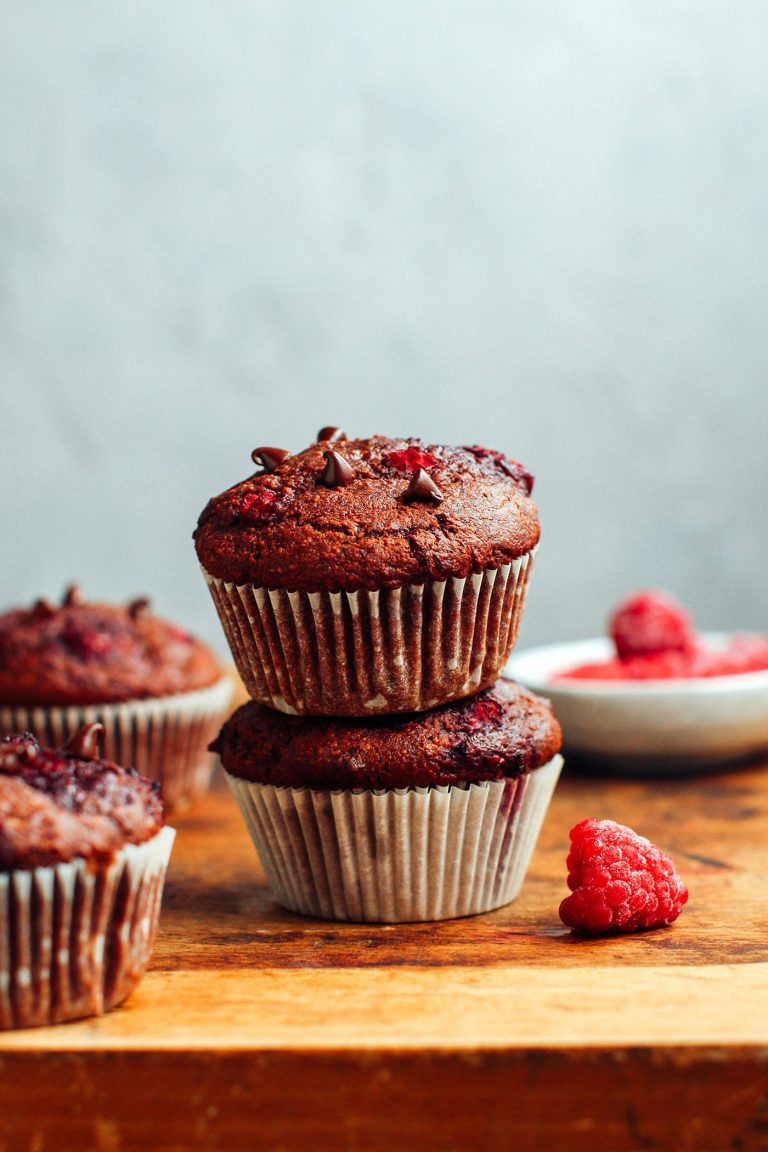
361, 653
75, 939
399, 855
165, 738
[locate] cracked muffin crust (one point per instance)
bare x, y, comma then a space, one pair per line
58, 805
370, 513
504, 731
81, 652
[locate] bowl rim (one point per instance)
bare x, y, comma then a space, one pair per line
569, 653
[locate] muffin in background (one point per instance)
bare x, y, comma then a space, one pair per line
400, 818
159, 692
83, 857
364, 577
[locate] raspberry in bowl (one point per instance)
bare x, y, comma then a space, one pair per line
397, 818
362, 577
159, 692
650, 623
654, 638
658, 697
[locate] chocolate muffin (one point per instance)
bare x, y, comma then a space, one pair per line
401, 817
83, 856
504, 731
159, 692
370, 576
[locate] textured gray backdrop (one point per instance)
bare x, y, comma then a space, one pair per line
539, 225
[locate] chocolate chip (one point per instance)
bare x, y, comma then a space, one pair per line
27, 750
423, 487
72, 597
138, 607
331, 434
269, 458
43, 609
16, 750
338, 472
85, 743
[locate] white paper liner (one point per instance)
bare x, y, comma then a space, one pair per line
75, 940
165, 738
360, 653
399, 855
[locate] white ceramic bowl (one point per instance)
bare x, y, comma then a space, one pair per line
649, 726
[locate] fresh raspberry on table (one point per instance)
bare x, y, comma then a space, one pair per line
619, 881
648, 622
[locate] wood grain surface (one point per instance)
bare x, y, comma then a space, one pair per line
256, 1028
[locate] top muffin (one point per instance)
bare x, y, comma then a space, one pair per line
347, 514
81, 653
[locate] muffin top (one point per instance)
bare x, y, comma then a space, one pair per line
83, 653
503, 731
55, 806
350, 514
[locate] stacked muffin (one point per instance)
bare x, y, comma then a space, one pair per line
371, 591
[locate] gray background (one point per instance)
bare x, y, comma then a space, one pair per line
538, 225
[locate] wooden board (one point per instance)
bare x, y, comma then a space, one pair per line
256, 1028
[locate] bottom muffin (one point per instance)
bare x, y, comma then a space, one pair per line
402, 818
83, 856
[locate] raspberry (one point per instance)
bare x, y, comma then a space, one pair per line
257, 507
743, 653
86, 643
513, 468
619, 881
179, 634
650, 621
484, 712
410, 459
668, 665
